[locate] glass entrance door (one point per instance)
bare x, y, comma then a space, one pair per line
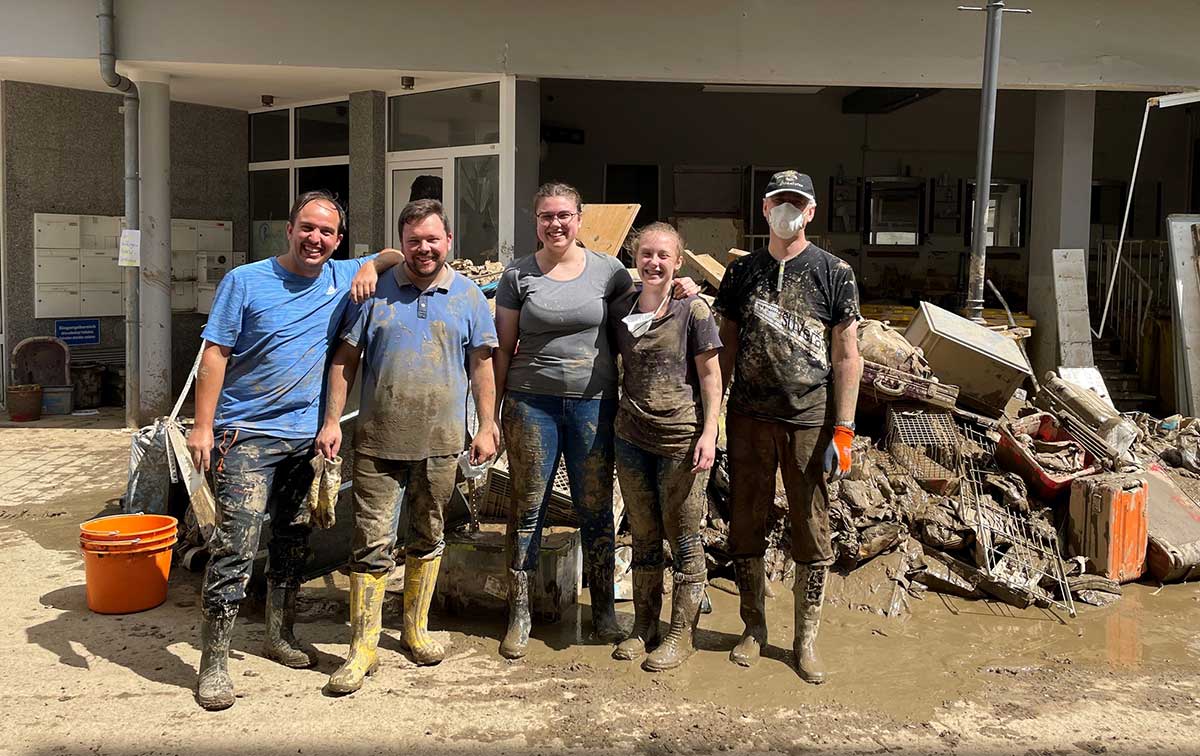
467, 186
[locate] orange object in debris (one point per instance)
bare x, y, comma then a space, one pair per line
1108, 524
127, 561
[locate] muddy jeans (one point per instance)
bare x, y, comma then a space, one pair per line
381, 488
537, 429
254, 475
756, 449
662, 497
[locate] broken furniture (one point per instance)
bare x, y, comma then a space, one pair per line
881, 383
1173, 553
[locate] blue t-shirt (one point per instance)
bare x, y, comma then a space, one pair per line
416, 346
280, 327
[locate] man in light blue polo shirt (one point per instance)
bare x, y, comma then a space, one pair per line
424, 333
258, 406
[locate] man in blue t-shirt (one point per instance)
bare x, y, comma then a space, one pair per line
426, 332
258, 394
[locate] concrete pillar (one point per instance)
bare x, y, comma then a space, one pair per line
155, 219
368, 179
1061, 217
528, 164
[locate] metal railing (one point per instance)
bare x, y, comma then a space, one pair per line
1139, 289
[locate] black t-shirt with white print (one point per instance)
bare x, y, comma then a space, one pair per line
781, 373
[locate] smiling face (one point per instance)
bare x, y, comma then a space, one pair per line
557, 222
425, 244
658, 258
314, 237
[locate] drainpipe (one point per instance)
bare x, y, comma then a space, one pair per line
108, 72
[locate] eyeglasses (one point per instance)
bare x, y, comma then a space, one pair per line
547, 218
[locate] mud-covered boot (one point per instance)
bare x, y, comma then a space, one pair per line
214, 688
809, 593
751, 583
366, 621
647, 607
516, 640
420, 577
280, 644
679, 642
605, 627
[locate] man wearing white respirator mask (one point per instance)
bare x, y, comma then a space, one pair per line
790, 331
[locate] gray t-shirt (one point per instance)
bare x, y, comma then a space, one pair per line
563, 346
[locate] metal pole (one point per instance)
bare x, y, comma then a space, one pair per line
983, 164
155, 270
133, 310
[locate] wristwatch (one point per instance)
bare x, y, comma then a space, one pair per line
845, 424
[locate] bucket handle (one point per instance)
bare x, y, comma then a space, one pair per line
133, 542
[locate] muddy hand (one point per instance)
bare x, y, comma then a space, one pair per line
484, 445
682, 288
706, 452
329, 440
837, 454
363, 285
200, 444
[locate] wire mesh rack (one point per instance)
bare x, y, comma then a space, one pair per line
1018, 551
925, 444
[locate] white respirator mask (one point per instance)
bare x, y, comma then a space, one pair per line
786, 220
639, 323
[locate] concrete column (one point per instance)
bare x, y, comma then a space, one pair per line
155, 219
1061, 217
528, 167
368, 162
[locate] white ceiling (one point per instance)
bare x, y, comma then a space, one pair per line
231, 86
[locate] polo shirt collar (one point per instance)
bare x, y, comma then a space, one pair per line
442, 283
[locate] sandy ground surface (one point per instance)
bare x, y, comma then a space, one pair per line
955, 677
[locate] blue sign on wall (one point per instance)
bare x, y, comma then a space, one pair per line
78, 331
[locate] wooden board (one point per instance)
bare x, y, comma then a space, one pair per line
734, 254
603, 228
703, 267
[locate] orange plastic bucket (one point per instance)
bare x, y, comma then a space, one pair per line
127, 561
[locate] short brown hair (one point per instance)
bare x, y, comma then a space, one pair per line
314, 196
658, 227
558, 189
418, 210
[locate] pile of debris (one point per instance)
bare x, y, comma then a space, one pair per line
483, 273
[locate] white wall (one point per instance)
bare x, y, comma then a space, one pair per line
1111, 44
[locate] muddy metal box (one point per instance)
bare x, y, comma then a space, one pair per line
474, 573
986, 366
1108, 524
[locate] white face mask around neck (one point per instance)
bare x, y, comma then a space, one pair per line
639, 323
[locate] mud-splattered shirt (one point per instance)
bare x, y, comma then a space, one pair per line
782, 368
660, 409
563, 342
279, 326
414, 368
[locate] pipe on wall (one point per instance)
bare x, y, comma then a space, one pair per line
108, 72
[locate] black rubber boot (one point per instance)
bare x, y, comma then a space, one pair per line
809, 593
605, 627
214, 688
516, 640
647, 608
280, 643
751, 583
679, 643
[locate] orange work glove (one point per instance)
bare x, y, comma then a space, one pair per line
837, 455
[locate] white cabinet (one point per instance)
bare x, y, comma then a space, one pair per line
211, 267
183, 265
101, 299
204, 297
54, 266
99, 266
56, 300
215, 236
99, 231
183, 296
185, 235
55, 231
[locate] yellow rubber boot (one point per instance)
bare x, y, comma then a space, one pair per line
420, 578
366, 621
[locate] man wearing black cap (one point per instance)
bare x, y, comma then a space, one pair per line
790, 328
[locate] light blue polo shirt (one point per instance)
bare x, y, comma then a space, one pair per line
415, 364
280, 327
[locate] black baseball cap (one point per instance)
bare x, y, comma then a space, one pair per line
791, 181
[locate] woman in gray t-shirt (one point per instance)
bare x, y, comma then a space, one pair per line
556, 377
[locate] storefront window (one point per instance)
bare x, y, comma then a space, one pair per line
269, 136
444, 118
323, 130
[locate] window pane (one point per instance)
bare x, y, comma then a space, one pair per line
445, 118
323, 130
269, 136
477, 212
269, 205
334, 179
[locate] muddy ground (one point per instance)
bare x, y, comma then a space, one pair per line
955, 677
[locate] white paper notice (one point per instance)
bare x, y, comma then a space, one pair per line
130, 253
